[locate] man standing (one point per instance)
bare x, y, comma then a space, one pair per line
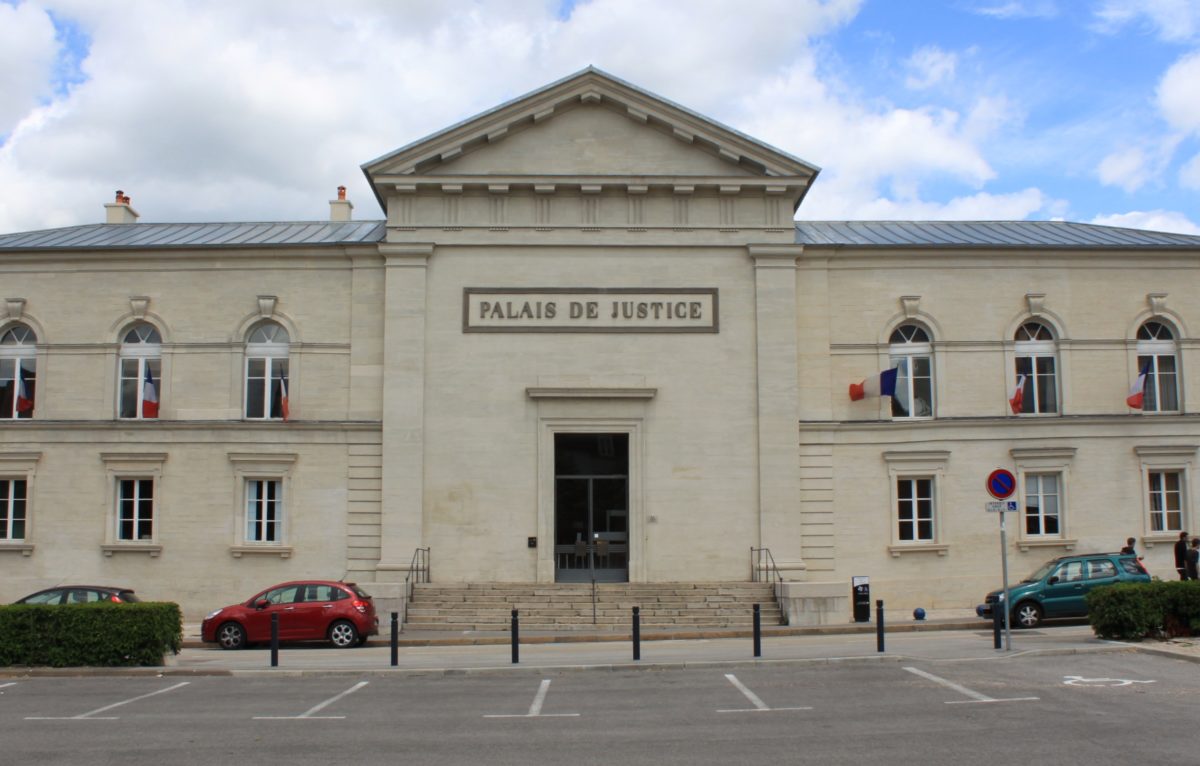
1193, 560
1181, 556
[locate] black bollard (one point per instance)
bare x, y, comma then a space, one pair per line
275, 639
879, 625
757, 632
637, 634
395, 639
997, 623
516, 627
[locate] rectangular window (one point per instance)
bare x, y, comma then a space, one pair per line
1166, 501
135, 509
914, 387
265, 387
914, 511
1042, 504
133, 388
1041, 386
12, 509
264, 511
1161, 386
17, 391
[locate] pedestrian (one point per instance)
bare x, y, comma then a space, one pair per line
1128, 549
1193, 560
1181, 555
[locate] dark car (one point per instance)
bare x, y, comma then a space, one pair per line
80, 594
309, 610
1059, 587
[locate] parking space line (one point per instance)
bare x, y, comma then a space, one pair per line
5, 686
90, 716
309, 714
759, 705
974, 695
535, 710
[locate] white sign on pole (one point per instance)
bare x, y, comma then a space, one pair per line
1000, 506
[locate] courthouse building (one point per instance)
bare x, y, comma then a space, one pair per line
588, 315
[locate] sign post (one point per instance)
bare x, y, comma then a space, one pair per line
1001, 484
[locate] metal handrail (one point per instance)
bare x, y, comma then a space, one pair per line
762, 566
419, 566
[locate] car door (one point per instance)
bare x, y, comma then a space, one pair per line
1064, 590
312, 612
1100, 572
280, 601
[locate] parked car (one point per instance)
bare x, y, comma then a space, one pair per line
80, 594
309, 610
1058, 588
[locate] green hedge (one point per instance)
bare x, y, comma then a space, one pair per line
1133, 611
100, 635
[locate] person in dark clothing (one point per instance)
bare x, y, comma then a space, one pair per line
1193, 560
1181, 556
1129, 546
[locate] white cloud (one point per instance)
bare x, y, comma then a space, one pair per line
1152, 220
840, 203
1189, 174
929, 66
1018, 9
1179, 94
1171, 20
27, 56
1128, 169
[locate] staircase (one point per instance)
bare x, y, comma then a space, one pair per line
563, 606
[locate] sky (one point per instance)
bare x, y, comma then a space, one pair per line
229, 110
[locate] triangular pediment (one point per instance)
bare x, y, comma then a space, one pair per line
589, 125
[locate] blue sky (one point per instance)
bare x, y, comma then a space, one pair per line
948, 109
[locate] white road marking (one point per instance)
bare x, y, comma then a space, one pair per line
316, 708
759, 705
1081, 681
90, 715
535, 710
974, 695
5, 686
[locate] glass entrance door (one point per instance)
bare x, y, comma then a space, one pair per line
591, 507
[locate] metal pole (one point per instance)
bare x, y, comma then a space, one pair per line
516, 642
1004, 566
637, 633
997, 624
879, 625
395, 639
757, 632
592, 568
275, 639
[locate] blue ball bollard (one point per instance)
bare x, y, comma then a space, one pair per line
918, 613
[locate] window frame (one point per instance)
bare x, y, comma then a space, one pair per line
144, 353
23, 354
915, 466
1033, 349
1043, 461
1166, 459
275, 357
259, 530
21, 466
254, 467
134, 466
902, 355
1153, 351
132, 492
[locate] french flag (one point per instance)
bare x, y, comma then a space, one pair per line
24, 402
1017, 395
883, 384
1137, 394
149, 396
283, 397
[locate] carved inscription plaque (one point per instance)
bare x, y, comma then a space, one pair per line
611, 309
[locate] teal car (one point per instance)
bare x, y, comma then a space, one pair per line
1059, 587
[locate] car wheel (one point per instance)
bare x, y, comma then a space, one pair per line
231, 636
343, 634
1027, 615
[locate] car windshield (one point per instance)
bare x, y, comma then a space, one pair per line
1040, 572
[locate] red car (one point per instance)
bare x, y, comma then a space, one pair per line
309, 610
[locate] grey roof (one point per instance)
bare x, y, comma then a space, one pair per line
985, 234
1041, 235
127, 236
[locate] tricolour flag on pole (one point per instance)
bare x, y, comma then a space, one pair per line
149, 396
883, 384
283, 396
1017, 395
1137, 394
24, 400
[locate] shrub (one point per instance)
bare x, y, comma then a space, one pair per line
1133, 611
101, 634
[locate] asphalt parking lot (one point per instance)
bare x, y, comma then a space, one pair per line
1078, 708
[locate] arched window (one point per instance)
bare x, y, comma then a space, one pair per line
912, 354
18, 372
141, 373
1036, 369
267, 372
1156, 355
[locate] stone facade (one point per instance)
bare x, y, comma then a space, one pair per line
428, 404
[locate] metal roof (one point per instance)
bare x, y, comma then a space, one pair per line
867, 234
985, 234
130, 236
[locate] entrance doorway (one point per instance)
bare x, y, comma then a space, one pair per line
591, 507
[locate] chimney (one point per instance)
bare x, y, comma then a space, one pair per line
340, 208
119, 210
